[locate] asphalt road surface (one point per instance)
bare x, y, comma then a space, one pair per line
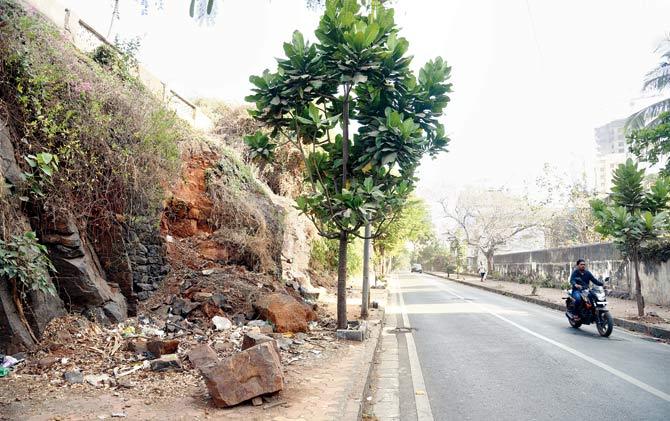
485, 356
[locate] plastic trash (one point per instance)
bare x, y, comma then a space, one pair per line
4, 372
9, 361
128, 331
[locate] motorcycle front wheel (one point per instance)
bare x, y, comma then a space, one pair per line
606, 324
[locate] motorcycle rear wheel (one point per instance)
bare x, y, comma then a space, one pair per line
573, 323
606, 324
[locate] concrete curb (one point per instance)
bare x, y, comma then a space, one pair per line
656, 332
353, 409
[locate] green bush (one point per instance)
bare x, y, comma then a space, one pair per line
22, 258
115, 143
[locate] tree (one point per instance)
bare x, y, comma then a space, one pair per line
633, 216
412, 224
434, 255
564, 209
358, 71
489, 219
657, 80
652, 144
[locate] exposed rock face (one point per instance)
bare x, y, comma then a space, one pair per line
250, 373
38, 308
296, 246
81, 279
285, 312
8, 167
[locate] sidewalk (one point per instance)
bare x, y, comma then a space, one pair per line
624, 311
327, 386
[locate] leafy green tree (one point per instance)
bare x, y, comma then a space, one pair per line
652, 144
633, 216
357, 72
434, 255
412, 224
657, 80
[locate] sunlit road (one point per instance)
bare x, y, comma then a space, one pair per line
489, 357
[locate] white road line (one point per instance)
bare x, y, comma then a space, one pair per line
573, 351
423, 410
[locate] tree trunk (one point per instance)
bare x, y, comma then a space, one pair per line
366, 273
342, 283
382, 261
638, 285
489, 262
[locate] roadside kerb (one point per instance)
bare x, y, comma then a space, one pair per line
656, 332
354, 408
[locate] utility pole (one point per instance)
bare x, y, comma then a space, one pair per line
366, 272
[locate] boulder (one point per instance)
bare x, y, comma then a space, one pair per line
252, 339
285, 312
202, 356
80, 276
245, 375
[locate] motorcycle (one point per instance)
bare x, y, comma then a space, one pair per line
593, 310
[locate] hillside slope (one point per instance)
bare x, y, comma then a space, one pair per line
129, 203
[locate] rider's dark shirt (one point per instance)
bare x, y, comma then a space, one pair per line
583, 279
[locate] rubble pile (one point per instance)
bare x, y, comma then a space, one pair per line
161, 351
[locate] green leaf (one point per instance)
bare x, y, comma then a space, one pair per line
389, 158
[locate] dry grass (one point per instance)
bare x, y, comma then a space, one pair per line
243, 216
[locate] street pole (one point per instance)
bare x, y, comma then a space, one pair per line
366, 272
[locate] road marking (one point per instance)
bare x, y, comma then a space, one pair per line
612, 370
423, 410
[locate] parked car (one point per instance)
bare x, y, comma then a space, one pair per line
416, 268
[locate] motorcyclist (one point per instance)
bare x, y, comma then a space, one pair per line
579, 280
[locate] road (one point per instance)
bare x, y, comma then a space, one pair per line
486, 356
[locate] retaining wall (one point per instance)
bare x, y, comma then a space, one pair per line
604, 259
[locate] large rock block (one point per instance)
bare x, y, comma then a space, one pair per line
202, 356
250, 373
38, 308
285, 312
81, 278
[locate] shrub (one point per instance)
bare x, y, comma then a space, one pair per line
116, 145
23, 259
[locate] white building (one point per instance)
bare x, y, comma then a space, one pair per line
605, 166
612, 151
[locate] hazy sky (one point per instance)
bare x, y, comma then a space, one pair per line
532, 79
